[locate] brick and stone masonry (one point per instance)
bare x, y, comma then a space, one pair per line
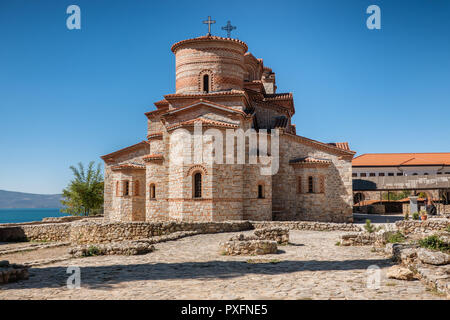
222, 86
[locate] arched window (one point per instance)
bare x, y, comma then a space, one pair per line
260, 191
206, 83
126, 188
152, 191
197, 185
310, 185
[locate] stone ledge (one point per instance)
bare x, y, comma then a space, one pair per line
126, 247
278, 234
307, 225
248, 247
427, 226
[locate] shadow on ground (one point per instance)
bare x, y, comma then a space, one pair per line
98, 277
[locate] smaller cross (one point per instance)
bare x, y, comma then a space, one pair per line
209, 22
228, 28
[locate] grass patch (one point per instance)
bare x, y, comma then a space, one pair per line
390, 284
337, 243
397, 237
369, 226
273, 261
434, 243
92, 251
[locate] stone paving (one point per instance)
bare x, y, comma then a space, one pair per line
311, 267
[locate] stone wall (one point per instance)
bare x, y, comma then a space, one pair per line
248, 247
335, 204
307, 225
36, 232
417, 226
280, 235
97, 231
83, 233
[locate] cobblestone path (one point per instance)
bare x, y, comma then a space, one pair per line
312, 267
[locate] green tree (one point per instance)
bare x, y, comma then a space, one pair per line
84, 194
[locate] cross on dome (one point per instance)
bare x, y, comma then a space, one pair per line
228, 28
209, 22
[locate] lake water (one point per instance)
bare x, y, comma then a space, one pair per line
27, 215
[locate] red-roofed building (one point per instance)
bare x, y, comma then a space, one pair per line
401, 164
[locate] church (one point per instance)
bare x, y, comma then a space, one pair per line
222, 86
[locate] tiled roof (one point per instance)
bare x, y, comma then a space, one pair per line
155, 135
154, 156
204, 122
319, 144
110, 156
129, 166
201, 102
208, 38
402, 159
341, 145
278, 96
309, 160
199, 94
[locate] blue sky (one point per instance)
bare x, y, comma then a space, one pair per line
73, 95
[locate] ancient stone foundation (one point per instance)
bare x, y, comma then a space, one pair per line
127, 248
280, 235
306, 225
12, 272
427, 226
86, 232
248, 247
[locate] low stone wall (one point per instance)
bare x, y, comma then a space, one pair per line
280, 235
116, 248
426, 226
248, 247
359, 239
36, 232
95, 232
86, 231
306, 225
364, 238
12, 272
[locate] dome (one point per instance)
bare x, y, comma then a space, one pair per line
209, 64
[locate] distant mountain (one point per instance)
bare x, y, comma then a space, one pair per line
11, 200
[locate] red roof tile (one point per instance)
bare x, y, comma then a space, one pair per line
402, 159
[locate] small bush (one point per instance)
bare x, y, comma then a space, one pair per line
395, 237
415, 216
448, 229
406, 216
369, 227
92, 251
433, 242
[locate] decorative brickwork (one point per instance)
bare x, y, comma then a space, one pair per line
223, 87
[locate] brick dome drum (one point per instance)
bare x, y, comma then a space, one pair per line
209, 64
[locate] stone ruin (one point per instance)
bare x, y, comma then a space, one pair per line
262, 241
12, 272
